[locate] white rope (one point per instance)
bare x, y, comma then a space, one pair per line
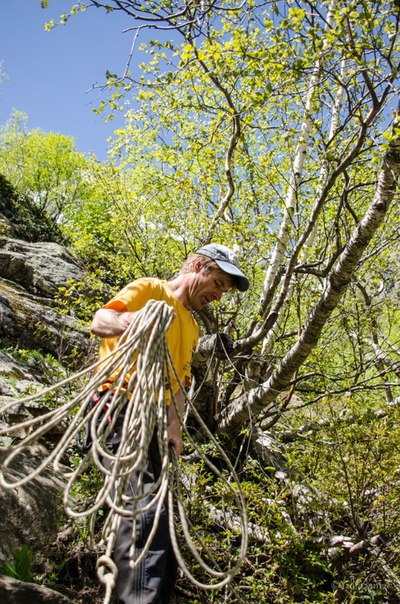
143, 361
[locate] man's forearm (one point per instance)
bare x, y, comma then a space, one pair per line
108, 323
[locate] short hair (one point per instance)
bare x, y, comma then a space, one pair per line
206, 263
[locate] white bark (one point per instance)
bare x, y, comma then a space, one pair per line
251, 403
290, 201
272, 335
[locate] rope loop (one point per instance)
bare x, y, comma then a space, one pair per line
138, 400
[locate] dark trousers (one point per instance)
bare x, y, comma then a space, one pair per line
153, 581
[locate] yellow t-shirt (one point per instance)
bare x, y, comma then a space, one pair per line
182, 335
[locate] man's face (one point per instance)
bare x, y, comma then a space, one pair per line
208, 286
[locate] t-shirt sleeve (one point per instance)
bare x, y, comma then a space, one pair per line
134, 296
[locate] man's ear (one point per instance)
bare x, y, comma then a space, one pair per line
197, 265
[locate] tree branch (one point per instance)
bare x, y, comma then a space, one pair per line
253, 402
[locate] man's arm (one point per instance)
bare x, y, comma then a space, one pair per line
174, 422
108, 323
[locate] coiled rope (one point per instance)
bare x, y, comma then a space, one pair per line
142, 359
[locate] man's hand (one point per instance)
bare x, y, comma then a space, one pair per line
175, 439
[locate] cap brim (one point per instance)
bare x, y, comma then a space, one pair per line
241, 281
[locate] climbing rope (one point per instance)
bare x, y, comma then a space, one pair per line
138, 398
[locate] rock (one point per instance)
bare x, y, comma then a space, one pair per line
30, 277
10, 368
5, 388
27, 387
268, 449
32, 322
13, 413
29, 513
31, 273
41, 268
13, 591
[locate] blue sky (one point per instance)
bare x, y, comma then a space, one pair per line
50, 73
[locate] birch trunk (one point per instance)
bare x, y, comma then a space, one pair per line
290, 201
256, 400
272, 335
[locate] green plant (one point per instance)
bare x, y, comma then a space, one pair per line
21, 569
81, 299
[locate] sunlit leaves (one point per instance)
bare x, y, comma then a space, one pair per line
64, 17
44, 166
257, 64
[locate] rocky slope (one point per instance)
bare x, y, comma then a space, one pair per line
33, 335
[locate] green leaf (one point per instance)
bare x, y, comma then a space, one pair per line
22, 565
8, 570
23, 561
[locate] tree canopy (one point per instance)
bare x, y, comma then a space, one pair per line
271, 127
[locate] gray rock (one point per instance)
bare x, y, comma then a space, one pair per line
29, 513
18, 592
10, 368
26, 387
41, 268
5, 388
30, 277
32, 322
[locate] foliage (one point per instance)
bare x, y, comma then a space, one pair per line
97, 229
81, 299
84, 494
344, 453
282, 563
27, 220
43, 366
21, 568
175, 142
266, 126
43, 166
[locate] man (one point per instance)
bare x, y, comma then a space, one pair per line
204, 278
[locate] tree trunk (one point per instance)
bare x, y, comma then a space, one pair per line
235, 415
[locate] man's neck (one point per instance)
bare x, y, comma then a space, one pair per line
178, 287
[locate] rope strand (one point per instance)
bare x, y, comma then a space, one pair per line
144, 366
